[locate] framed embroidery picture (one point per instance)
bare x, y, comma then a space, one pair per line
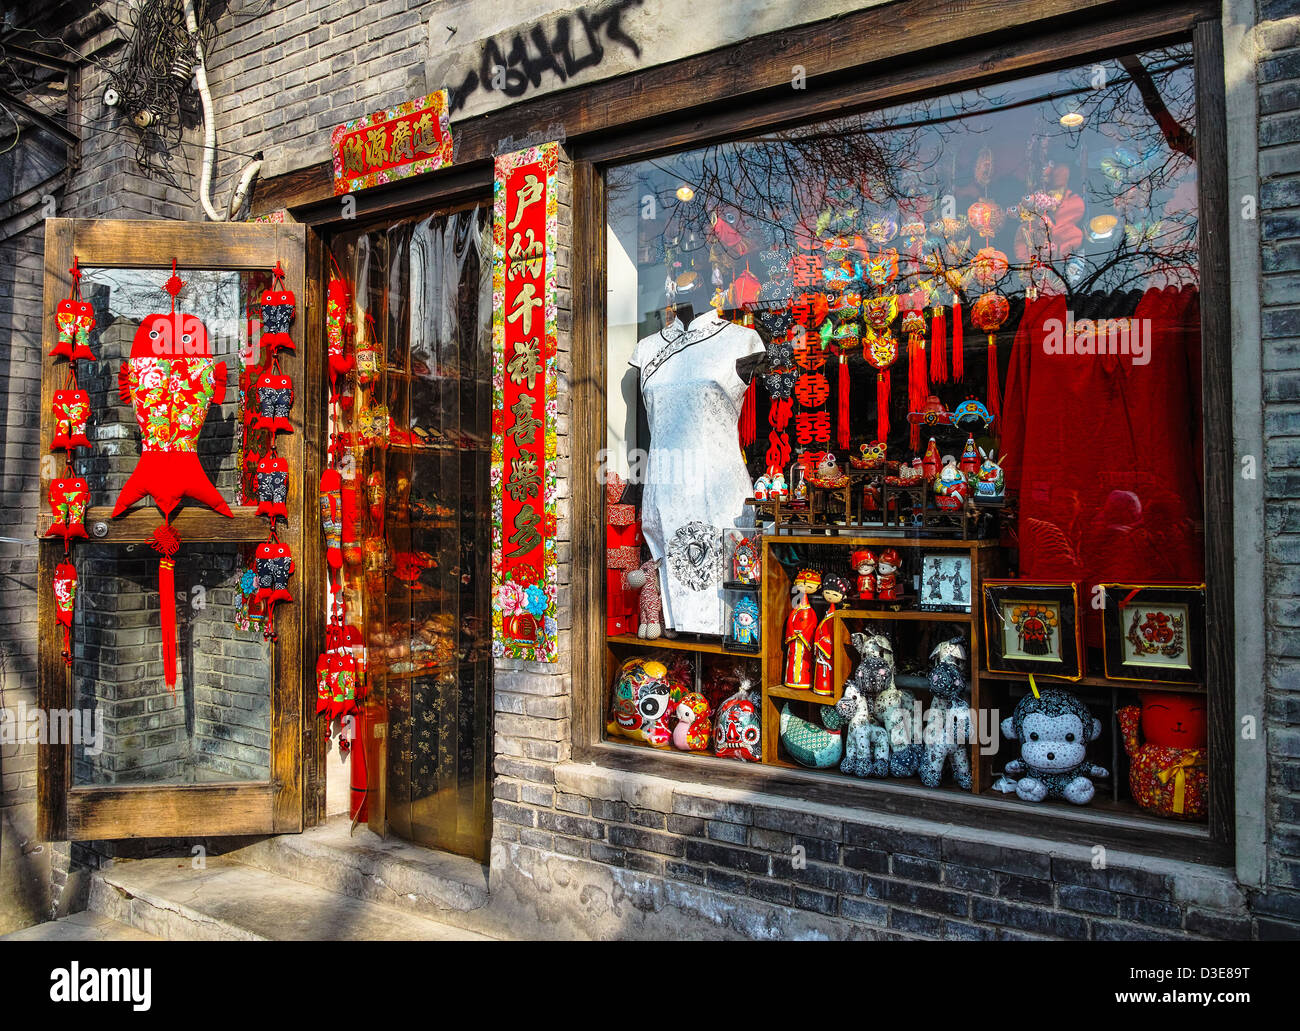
945, 582
1032, 627
1154, 632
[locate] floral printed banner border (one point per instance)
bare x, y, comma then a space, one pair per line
363, 148
524, 624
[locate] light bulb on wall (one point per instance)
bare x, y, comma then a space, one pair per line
1072, 118
685, 193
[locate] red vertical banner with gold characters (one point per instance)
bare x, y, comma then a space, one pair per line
525, 583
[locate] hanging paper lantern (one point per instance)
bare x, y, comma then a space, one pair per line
988, 266
277, 317
985, 218
75, 319
273, 487
274, 567
988, 314
69, 497
71, 410
274, 401
65, 597
883, 268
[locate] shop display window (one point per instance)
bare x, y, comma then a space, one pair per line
949, 342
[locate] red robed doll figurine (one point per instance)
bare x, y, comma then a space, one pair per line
835, 589
887, 575
799, 628
864, 561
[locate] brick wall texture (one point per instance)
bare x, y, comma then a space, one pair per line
281, 80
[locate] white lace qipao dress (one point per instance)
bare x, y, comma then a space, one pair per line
696, 481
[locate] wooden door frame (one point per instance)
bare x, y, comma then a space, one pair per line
292, 797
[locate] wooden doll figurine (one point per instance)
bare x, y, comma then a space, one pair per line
834, 589
799, 628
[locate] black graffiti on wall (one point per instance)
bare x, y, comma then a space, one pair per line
521, 62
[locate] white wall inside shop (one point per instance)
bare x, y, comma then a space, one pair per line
620, 435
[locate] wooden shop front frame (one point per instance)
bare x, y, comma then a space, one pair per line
861, 61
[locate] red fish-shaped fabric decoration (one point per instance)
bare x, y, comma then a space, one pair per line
65, 598
273, 487
69, 497
71, 410
170, 380
76, 320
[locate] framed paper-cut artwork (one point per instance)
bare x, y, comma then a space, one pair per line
1032, 627
945, 581
1154, 632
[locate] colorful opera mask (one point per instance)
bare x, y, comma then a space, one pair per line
639, 703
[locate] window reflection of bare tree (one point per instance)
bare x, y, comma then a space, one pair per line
784, 187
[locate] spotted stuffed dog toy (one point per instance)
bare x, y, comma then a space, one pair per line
947, 721
1053, 730
888, 708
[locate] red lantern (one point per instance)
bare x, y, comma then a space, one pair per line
989, 312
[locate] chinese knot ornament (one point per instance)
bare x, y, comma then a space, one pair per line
336, 327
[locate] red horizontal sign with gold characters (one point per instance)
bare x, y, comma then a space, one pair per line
385, 146
525, 582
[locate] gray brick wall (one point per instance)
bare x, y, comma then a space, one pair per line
281, 81
1278, 36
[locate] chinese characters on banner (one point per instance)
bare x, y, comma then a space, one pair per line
524, 578
406, 140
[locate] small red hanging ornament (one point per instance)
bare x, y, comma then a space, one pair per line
351, 531
76, 320
273, 487
274, 566
71, 410
880, 348
918, 387
988, 314
277, 317
65, 597
331, 516
274, 402
69, 497
338, 304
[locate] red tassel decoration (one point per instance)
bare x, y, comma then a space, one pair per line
995, 388
842, 419
938, 347
748, 415
166, 543
882, 405
958, 353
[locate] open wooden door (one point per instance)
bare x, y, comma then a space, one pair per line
229, 750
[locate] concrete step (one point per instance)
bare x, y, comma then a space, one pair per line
363, 865
232, 901
81, 927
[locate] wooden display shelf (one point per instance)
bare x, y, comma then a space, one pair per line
867, 540
1094, 680
917, 614
684, 644
796, 695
